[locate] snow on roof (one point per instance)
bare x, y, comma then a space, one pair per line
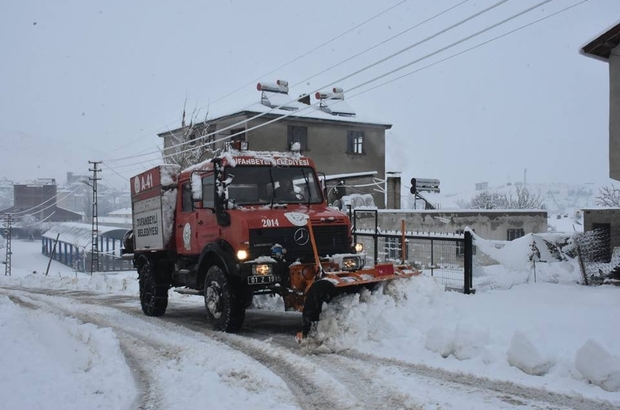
284, 101
336, 107
350, 175
122, 211
78, 234
253, 107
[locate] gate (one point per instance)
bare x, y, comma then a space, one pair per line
444, 256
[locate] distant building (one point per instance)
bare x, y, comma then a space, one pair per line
494, 224
35, 206
329, 131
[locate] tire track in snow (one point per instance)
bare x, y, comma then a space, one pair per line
503, 388
133, 350
313, 388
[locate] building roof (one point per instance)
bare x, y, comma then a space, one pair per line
304, 112
79, 234
600, 48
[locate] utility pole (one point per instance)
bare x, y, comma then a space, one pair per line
7, 232
94, 254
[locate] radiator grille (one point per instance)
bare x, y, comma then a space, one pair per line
330, 240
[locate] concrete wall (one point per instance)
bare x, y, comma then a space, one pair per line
614, 114
488, 224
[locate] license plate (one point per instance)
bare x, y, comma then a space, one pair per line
257, 280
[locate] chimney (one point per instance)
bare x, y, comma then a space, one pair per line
393, 190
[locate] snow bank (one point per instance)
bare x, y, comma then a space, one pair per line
522, 334
525, 355
598, 366
67, 364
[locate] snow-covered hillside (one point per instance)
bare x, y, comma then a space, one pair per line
559, 198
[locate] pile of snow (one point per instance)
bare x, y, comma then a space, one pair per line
58, 362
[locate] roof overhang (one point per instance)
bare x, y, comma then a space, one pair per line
600, 48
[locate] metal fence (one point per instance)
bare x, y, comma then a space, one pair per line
597, 262
447, 257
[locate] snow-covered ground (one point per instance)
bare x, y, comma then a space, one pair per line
547, 332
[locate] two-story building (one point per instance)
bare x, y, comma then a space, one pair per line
348, 148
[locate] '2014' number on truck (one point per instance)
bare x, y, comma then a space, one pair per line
270, 223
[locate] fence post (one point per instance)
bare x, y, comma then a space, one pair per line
376, 237
468, 265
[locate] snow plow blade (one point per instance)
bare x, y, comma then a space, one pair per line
333, 284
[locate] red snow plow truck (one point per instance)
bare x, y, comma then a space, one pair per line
242, 224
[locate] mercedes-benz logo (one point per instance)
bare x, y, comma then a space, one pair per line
301, 236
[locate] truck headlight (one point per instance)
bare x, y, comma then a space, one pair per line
359, 247
351, 263
262, 269
242, 254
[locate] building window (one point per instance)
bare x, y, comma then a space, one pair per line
355, 142
515, 233
298, 134
240, 134
186, 198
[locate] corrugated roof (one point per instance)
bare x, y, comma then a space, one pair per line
79, 234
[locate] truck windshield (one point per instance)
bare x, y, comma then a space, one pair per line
250, 185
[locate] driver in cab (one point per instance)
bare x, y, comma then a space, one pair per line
285, 191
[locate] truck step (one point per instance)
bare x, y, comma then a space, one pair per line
188, 291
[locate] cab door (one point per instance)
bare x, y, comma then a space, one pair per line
186, 222
208, 230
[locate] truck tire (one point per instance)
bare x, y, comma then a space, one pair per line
223, 301
153, 297
320, 292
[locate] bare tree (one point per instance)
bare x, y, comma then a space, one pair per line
525, 199
608, 196
489, 200
190, 144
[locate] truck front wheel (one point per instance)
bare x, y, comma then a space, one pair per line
225, 306
153, 297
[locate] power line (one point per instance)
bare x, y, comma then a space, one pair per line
397, 69
470, 48
282, 66
25, 212
382, 42
314, 49
453, 44
477, 14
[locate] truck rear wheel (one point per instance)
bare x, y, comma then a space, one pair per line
225, 306
153, 297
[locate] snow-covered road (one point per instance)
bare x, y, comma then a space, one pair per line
177, 362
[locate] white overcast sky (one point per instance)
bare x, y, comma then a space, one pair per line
91, 80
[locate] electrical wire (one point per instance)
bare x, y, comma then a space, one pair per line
25, 211
278, 68
453, 44
477, 14
471, 48
389, 72
314, 49
382, 42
